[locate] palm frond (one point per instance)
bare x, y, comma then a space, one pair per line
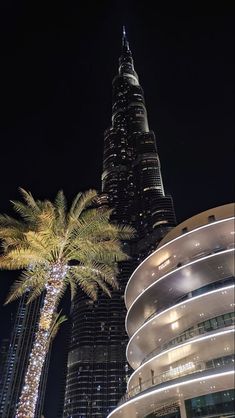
103, 286
26, 213
30, 281
90, 221
10, 222
36, 292
125, 232
19, 258
85, 200
57, 321
61, 209
74, 203
62, 292
28, 198
73, 286
18, 289
101, 274
88, 286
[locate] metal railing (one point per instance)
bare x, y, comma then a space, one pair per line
186, 336
190, 295
172, 374
185, 261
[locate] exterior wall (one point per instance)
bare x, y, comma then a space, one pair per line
182, 348
197, 221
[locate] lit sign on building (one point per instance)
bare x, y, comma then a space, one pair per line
164, 264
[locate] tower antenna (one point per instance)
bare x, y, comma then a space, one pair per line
125, 43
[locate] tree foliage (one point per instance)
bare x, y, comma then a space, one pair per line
46, 233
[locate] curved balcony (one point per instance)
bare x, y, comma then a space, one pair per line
170, 287
209, 380
197, 243
180, 319
188, 335
203, 347
171, 375
171, 322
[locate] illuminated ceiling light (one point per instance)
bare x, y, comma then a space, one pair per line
187, 272
175, 325
176, 239
174, 385
184, 346
210, 256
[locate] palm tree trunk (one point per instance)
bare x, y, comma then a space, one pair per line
29, 395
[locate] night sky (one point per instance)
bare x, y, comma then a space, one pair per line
57, 65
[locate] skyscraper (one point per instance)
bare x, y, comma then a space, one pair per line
131, 180
131, 167
4, 346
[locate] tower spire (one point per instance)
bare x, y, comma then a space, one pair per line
125, 43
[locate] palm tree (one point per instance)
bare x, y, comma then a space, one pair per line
56, 247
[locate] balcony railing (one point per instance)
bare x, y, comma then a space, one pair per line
200, 291
196, 256
184, 261
186, 336
175, 373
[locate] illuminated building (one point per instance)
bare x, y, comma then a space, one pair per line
17, 357
132, 181
4, 345
180, 323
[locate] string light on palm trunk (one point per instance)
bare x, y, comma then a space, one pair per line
29, 396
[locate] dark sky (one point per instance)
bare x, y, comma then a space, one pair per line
57, 65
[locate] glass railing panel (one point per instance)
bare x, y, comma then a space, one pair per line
189, 335
173, 373
205, 289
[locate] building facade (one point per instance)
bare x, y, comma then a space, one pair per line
4, 346
17, 358
131, 184
180, 323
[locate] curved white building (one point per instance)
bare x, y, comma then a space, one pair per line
180, 322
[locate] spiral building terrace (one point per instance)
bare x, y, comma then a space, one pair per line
180, 319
